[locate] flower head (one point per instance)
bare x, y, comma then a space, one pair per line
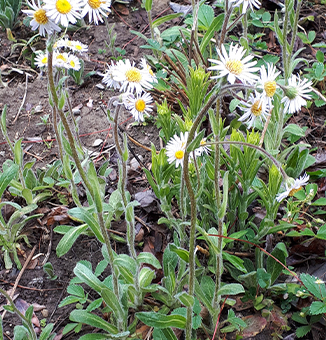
96, 8
232, 65
63, 11
40, 19
73, 63
267, 83
203, 148
295, 93
108, 76
131, 78
245, 4
175, 149
147, 68
60, 59
139, 105
41, 60
253, 109
292, 186
319, 282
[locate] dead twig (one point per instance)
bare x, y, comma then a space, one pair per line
24, 98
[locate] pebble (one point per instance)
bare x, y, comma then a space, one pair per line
45, 313
134, 164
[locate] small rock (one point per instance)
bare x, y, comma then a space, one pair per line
97, 142
45, 313
134, 164
38, 109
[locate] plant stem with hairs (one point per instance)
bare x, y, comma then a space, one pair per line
87, 184
193, 212
217, 174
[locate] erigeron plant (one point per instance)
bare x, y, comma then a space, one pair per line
190, 168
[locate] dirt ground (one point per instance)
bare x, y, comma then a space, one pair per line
27, 95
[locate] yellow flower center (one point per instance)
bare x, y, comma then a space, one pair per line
294, 191
40, 17
94, 3
44, 60
202, 142
140, 105
270, 88
234, 66
63, 6
179, 154
78, 47
256, 108
133, 75
61, 57
72, 63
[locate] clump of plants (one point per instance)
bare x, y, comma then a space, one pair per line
214, 173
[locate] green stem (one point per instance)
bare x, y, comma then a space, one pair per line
21, 315
85, 180
277, 164
285, 57
219, 259
193, 212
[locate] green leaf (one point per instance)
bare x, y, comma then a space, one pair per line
185, 299
69, 300
231, 289
274, 268
46, 332
320, 201
7, 176
222, 210
311, 36
146, 276
195, 143
18, 152
164, 19
205, 17
182, 253
162, 321
310, 283
113, 303
302, 331
87, 217
294, 129
164, 334
149, 258
215, 26
86, 275
69, 239
317, 307
92, 320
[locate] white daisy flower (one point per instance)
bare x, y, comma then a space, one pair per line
40, 20
232, 65
131, 78
295, 94
146, 67
139, 105
253, 109
73, 63
41, 60
245, 4
77, 46
64, 11
96, 8
203, 149
64, 43
108, 76
60, 59
175, 149
267, 83
293, 186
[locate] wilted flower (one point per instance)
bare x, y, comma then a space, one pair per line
292, 186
